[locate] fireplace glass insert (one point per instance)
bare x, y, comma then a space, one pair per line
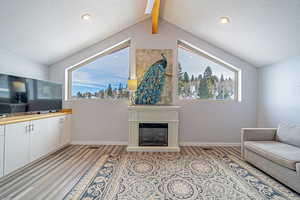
153, 134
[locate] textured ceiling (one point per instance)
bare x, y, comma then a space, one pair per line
261, 32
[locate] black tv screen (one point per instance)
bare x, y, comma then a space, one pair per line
18, 94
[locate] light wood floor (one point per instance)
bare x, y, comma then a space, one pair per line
53, 176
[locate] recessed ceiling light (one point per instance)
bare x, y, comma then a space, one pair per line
224, 20
86, 16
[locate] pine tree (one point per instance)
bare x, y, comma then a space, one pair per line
220, 89
207, 84
207, 73
180, 80
109, 91
200, 77
186, 77
186, 82
79, 95
203, 92
222, 78
120, 87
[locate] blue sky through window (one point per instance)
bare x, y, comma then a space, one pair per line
110, 69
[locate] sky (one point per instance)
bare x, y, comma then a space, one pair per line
195, 65
111, 69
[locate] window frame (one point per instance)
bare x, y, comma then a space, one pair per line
237, 71
68, 72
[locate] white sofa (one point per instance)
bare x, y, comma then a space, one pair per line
277, 154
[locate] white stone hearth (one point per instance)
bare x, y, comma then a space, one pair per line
153, 114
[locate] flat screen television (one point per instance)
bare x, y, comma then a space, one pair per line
19, 94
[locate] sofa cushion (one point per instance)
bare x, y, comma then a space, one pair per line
283, 154
289, 134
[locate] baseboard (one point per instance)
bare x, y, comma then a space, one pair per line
153, 149
205, 144
99, 142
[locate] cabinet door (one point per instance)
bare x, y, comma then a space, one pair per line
1, 150
65, 137
17, 144
53, 133
44, 137
39, 141
1, 155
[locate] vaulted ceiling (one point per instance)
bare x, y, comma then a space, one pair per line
260, 32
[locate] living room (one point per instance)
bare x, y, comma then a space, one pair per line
150, 99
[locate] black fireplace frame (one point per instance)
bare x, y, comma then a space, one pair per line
153, 125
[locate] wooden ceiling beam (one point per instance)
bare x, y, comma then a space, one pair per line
155, 16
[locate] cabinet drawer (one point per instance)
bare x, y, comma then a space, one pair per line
1, 130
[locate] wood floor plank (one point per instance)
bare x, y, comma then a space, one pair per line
32, 180
35, 170
20, 174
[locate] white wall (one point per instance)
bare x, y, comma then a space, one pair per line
16, 65
201, 121
279, 93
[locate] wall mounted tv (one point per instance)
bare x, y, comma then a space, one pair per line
18, 94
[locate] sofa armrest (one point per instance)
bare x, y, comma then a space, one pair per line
257, 134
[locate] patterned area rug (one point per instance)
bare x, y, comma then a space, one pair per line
173, 176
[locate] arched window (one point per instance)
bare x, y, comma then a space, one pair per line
104, 76
202, 76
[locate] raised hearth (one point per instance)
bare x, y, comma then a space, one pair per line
153, 128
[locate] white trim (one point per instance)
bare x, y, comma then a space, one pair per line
205, 144
153, 149
98, 142
209, 54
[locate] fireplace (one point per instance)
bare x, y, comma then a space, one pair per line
153, 134
153, 128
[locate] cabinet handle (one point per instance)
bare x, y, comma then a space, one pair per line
27, 128
31, 127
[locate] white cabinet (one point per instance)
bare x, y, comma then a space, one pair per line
28, 141
65, 137
17, 146
53, 133
38, 141
1, 150
44, 136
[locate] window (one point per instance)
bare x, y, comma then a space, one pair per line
201, 76
4, 87
104, 76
